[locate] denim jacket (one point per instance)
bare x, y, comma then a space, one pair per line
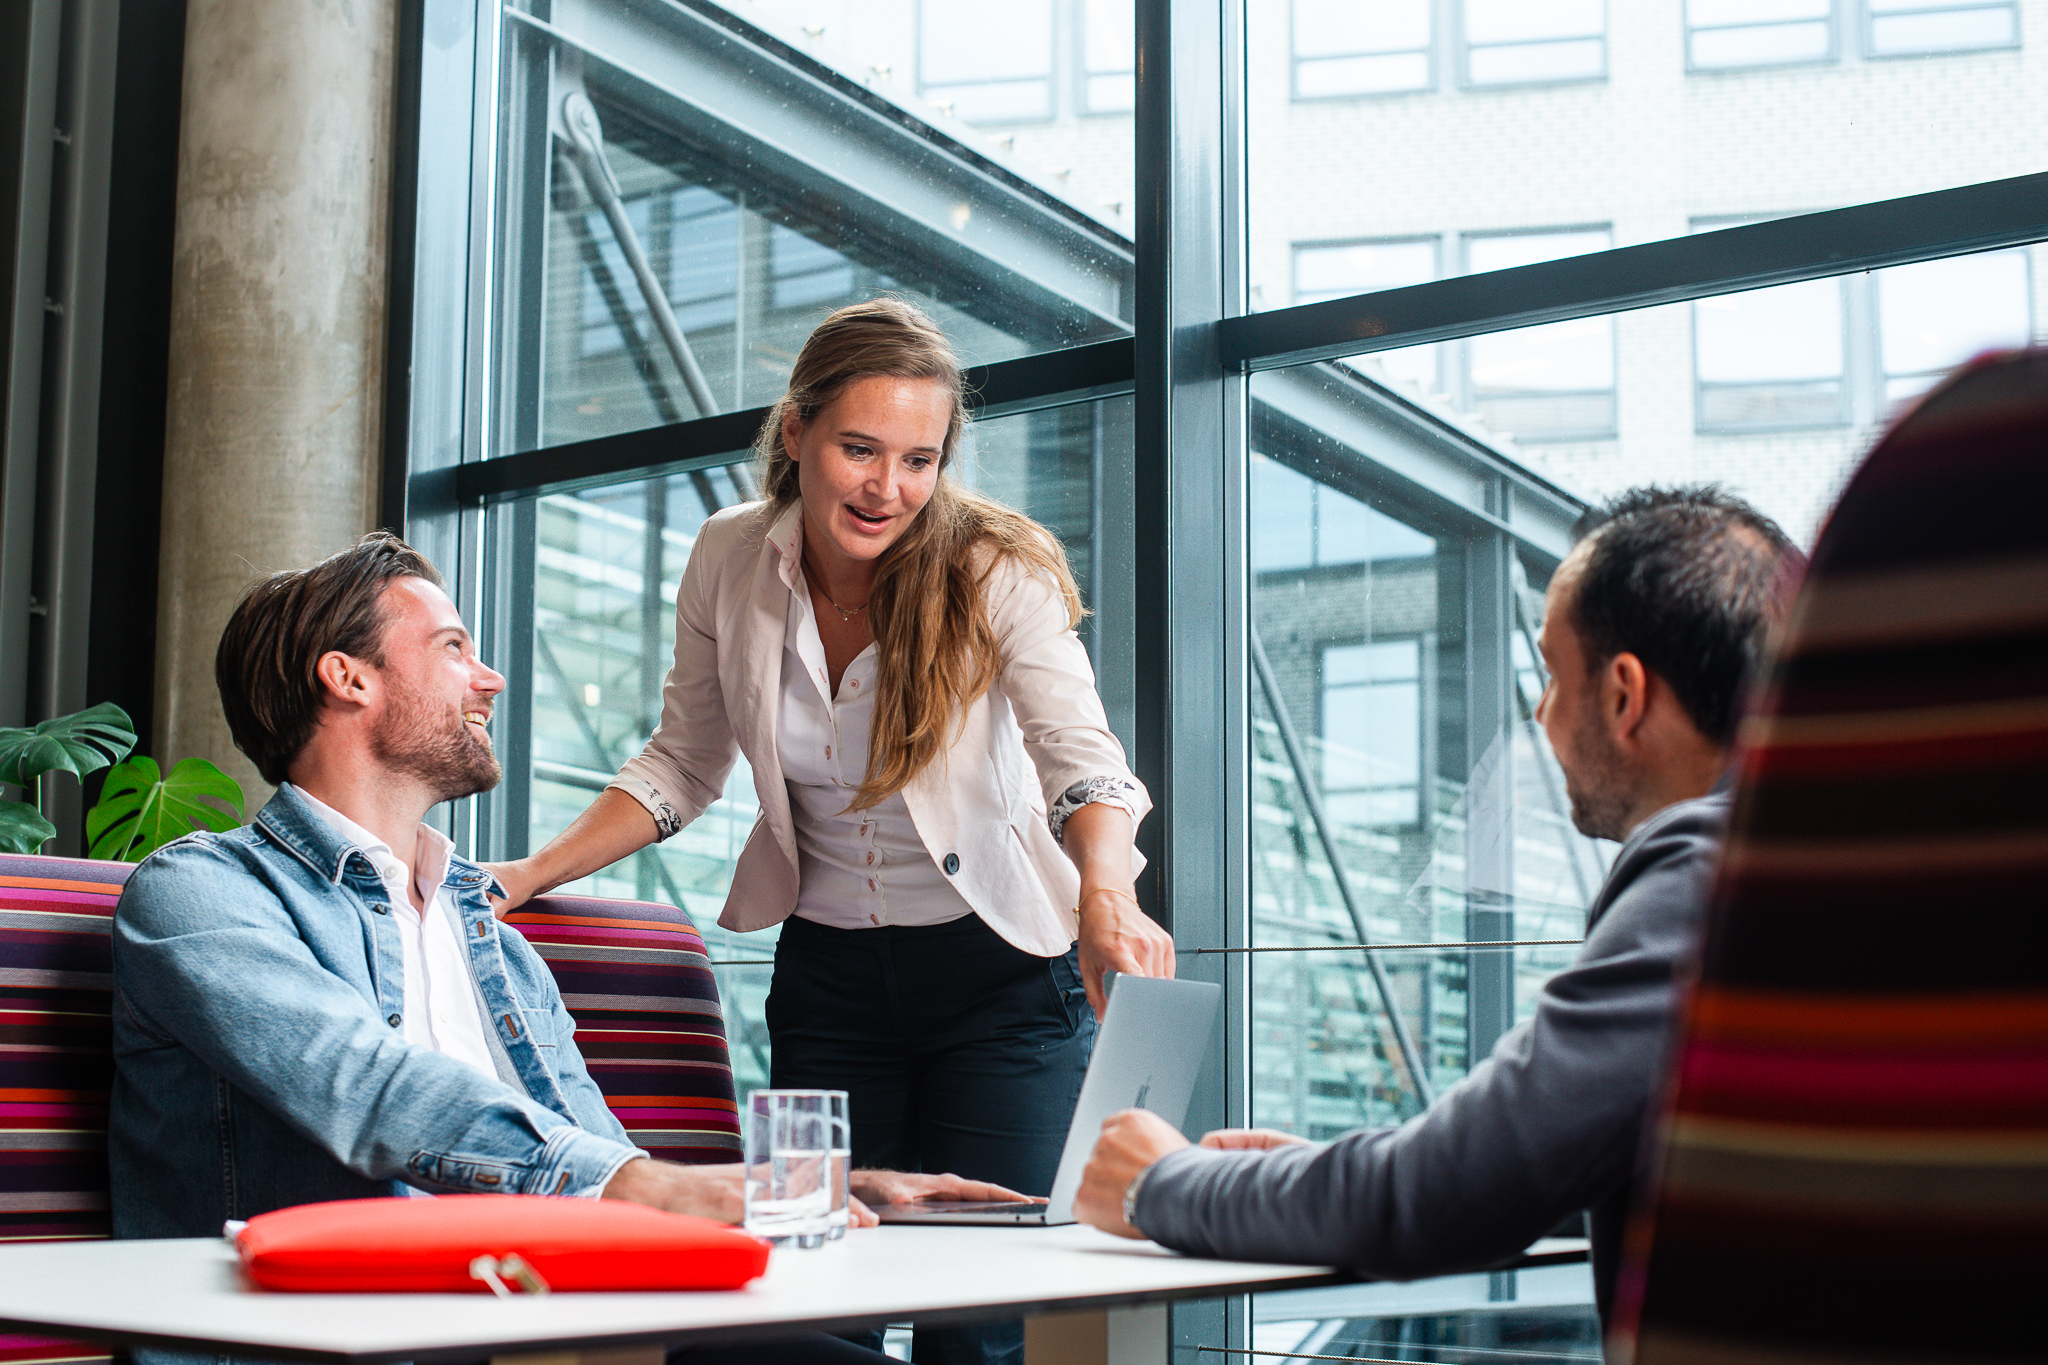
259, 1057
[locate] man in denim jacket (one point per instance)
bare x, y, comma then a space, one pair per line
319, 1005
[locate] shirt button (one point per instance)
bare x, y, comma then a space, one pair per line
828, 751
381, 909
874, 919
871, 883
952, 863
856, 684
871, 859
394, 1021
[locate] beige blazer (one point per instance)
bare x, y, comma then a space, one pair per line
980, 809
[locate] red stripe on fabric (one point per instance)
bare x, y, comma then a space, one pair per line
723, 1117
585, 934
1921, 1092
2024, 747
74, 902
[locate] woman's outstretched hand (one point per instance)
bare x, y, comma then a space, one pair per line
1118, 936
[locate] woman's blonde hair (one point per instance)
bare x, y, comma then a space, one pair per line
937, 651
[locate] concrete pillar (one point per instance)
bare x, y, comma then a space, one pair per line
277, 324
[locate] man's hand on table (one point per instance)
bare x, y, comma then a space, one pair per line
718, 1191
704, 1191
1130, 1141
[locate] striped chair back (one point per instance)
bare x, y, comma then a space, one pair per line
56, 1061
1855, 1161
634, 977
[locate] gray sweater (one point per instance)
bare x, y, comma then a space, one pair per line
1548, 1125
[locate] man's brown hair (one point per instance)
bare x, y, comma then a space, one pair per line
265, 667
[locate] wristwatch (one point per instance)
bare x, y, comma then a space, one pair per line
1131, 1195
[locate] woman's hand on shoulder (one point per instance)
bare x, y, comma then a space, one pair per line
518, 882
1118, 936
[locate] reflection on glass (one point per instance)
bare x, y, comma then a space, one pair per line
991, 63
1912, 27
1732, 33
584, 585
1514, 41
1371, 735
1360, 47
1937, 314
1551, 381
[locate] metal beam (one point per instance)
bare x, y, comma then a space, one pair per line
1051, 379
1920, 227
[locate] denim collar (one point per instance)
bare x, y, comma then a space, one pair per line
289, 821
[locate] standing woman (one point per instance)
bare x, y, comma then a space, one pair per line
946, 820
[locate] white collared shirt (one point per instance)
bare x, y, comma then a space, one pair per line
858, 869
441, 1008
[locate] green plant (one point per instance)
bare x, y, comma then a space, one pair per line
140, 810
81, 743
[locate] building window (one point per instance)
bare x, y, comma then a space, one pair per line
1361, 47
1937, 314
1342, 269
1108, 57
990, 64
1547, 383
1768, 359
1513, 42
1720, 34
1909, 28
1372, 733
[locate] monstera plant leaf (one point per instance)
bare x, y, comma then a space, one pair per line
23, 828
80, 743
141, 810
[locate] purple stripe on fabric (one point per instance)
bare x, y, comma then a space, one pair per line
1939, 1091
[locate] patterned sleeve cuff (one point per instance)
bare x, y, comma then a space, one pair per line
1108, 791
666, 820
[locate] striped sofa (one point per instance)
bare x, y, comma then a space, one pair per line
1855, 1162
634, 976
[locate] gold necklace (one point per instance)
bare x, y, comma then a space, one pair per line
844, 614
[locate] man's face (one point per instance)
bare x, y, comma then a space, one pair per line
437, 711
1573, 715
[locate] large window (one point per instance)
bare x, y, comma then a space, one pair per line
1316, 572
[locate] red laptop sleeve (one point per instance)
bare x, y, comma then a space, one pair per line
482, 1242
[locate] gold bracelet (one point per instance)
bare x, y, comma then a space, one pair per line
1114, 892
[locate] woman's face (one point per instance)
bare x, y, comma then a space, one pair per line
866, 465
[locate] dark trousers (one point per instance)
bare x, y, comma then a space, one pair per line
958, 1053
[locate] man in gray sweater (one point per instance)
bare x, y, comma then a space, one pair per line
1651, 625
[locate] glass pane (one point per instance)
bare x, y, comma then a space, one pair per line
583, 592
663, 264
1645, 141
1954, 30
1760, 45
1109, 56
1940, 313
1390, 806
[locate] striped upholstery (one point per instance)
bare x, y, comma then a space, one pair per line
1856, 1162
56, 1060
636, 978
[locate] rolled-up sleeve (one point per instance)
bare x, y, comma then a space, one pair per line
227, 977
1050, 685
683, 768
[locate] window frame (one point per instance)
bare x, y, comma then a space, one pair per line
1464, 47
1432, 81
1833, 20
1869, 17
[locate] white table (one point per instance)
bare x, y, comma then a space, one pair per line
191, 1293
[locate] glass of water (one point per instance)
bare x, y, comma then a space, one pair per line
842, 1160
789, 1166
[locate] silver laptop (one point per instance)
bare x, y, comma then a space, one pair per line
1148, 1053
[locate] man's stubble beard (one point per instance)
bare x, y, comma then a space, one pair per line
1599, 787
416, 740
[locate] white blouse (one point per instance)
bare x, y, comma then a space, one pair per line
859, 869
